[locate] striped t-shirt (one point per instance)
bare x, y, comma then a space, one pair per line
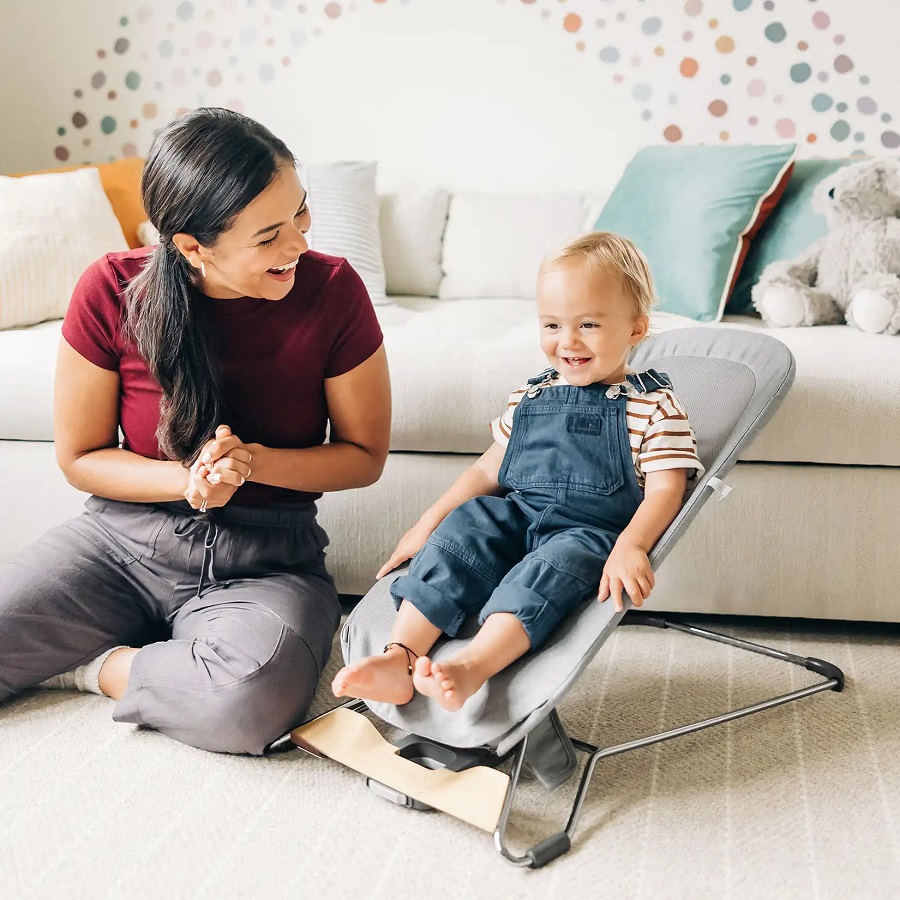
661, 436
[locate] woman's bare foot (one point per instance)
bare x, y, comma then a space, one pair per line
384, 679
451, 682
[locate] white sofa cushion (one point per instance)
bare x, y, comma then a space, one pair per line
27, 364
344, 215
412, 231
494, 243
52, 227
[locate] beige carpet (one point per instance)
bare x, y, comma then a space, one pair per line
803, 801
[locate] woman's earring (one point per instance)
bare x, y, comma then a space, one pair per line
203, 268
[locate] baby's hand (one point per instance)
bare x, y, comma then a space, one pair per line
628, 569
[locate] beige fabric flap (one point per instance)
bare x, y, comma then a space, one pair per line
475, 795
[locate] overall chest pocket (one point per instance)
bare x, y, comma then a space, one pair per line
576, 449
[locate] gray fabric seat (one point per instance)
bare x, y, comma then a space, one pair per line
731, 383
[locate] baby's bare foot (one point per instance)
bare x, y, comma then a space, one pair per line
384, 679
451, 683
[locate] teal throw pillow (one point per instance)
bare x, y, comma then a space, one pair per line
792, 227
692, 211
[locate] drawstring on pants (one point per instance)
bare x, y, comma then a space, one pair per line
189, 528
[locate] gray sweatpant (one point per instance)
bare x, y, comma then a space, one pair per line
242, 592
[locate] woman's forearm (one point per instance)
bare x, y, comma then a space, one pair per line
337, 466
122, 475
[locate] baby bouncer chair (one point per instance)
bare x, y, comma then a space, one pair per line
731, 382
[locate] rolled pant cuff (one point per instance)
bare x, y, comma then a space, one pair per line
438, 608
538, 616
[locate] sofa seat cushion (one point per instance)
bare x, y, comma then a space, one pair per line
27, 364
453, 364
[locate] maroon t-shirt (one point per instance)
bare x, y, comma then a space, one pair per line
273, 355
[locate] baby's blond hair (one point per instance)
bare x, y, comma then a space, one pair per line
607, 253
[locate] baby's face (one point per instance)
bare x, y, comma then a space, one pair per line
588, 325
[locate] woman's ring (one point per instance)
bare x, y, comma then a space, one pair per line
203, 506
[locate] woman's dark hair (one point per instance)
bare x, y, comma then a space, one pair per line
201, 171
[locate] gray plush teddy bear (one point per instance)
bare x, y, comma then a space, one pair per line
852, 272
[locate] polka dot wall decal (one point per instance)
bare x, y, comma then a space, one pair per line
61, 153
79, 92
98, 79
107, 124
725, 79
756, 88
693, 7
689, 67
266, 72
609, 55
821, 20
60, 131
133, 81
890, 139
840, 130
863, 79
724, 135
741, 5
769, 5
646, 115
859, 137
843, 64
133, 123
811, 139
822, 102
713, 23
841, 107
751, 60
572, 23
753, 120
642, 92
725, 44
123, 21
839, 39
800, 72
651, 25
214, 78
79, 120
129, 150
775, 32
885, 117
688, 36
802, 45
149, 110
185, 11
101, 54
672, 133
785, 128
121, 45
166, 49
205, 40
112, 95
718, 108
145, 14
332, 10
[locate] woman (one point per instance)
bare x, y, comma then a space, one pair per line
222, 355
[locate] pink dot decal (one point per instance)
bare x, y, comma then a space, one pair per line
821, 20
756, 88
785, 128
693, 7
672, 133
332, 10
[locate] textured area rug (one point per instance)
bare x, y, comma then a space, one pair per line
803, 800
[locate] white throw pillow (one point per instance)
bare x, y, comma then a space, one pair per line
344, 207
494, 243
412, 229
52, 227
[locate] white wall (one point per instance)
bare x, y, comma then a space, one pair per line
480, 93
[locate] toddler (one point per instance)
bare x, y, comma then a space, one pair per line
588, 468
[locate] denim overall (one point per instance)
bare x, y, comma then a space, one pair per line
538, 552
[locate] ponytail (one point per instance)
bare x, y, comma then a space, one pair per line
162, 319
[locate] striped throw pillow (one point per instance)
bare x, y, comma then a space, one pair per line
52, 227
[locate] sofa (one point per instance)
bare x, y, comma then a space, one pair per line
810, 529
